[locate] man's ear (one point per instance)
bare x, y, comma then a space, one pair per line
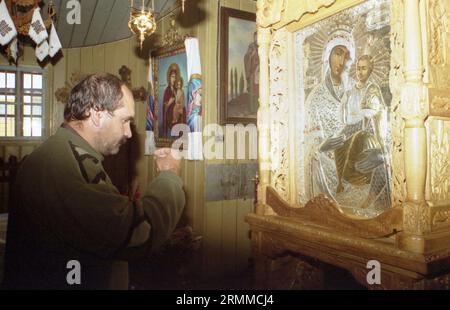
96, 117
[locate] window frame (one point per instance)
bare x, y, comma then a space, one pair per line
19, 93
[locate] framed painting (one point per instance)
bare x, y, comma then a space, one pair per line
171, 88
239, 67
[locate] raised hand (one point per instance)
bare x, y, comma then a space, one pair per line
168, 159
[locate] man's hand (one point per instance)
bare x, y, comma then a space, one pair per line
167, 160
331, 144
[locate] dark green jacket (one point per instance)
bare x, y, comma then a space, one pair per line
66, 208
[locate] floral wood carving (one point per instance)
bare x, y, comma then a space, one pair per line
440, 165
439, 103
279, 111
274, 11
396, 79
437, 32
324, 211
416, 218
441, 219
269, 12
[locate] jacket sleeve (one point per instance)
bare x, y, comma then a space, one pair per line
153, 215
98, 220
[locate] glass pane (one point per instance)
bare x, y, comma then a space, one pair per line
2, 98
11, 109
27, 110
2, 80
37, 110
11, 80
10, 126
11, 99
2, 127
2, 109
37, 81
37, 99
27, 127
27, 80
27, 99
36, 125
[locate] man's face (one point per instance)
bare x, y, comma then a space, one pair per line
115, 129
363, 70
338, 58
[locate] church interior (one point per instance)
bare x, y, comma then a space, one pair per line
317, 155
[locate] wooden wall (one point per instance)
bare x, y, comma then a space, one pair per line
226, 244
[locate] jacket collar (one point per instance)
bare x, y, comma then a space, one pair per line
67, 132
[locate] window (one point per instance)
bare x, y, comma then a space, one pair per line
21, 103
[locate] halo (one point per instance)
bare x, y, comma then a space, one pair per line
352, 30
376, 45
338, 37
336, 30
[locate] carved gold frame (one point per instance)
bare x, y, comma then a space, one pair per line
420, 218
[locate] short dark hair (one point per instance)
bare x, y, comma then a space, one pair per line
100, 91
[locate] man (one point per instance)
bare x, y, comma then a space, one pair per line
67, 210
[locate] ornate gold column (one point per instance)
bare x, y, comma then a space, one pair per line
415, 209
264, 38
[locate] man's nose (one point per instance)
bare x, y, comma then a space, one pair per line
128, 132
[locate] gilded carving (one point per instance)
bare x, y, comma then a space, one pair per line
441, 219
440, 163
438, 43
324, 211
396, 79
440, 106
416, 219
317, 228
269, 12
279, 114
437, 32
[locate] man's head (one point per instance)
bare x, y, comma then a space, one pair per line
338, 59
364, 68
105, 107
